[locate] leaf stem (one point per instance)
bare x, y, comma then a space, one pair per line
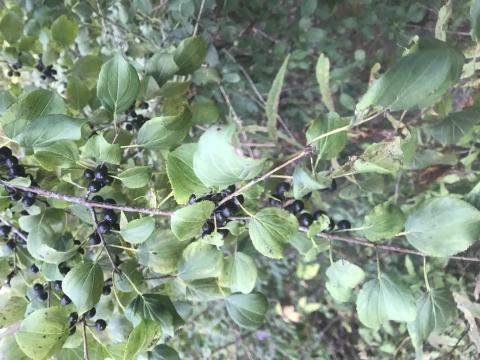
379, 271
425, 273
330, 252
245, 210
85, 345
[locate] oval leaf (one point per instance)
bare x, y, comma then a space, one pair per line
136, 177
381, 300
343, 276
443, 226
187, 222
139, 230
200, 261
247, 310
118, 84
83, 285
270, 229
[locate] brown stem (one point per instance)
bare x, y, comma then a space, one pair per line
398, 249
87, 203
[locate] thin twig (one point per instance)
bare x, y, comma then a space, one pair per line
87, 203
104, 244
85, 345
397, 249
248, 185
195, 30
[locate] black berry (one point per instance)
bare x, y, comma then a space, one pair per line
72, 330
100, 324
104, 227
208, 227
101, 172
295, 207
94, 239
282, 187
65, 300
94, 186
63, 269
34, 268
110, 216
27, 202
240, 199
231, 189
220, 219
11, 161
110, 201
5, 230
90, 313
344, 225
318, 213
10, 244
89, 174
57, 285
223, 232
305, 219
38, 288
274, 202
192, 199
5, 151
229, 208
106, 290
97, 198
73, 317
43, 296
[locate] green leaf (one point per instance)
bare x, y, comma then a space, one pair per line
162, 67
270, 229
418, 79
181, 175
381, 300
162, 132
83, 285
43, 332
384, 221
61, 154
435, 311
11, 27
217, 163
49, 129
33, 105
78, 93
142, 338
139, 230
200, 261
443, 226
163, 352
45, 245
161, 252
118, 84
10, 349
188, 221
304, 182
12, 309
328, 147
239, 273
343, 276
204, 111
154, 307
129, 278
64, 31
475, 19
98, 148
174, 89
450, 130
271, 106
204, 290
189, 55
247, 310
322, 71
136, 177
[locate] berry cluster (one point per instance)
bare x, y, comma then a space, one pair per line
98, 178
305, 219
134, 120
13, 71
222, 214
39, 289
109, 221
48, 72
10, 163
73, 318
5, 231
